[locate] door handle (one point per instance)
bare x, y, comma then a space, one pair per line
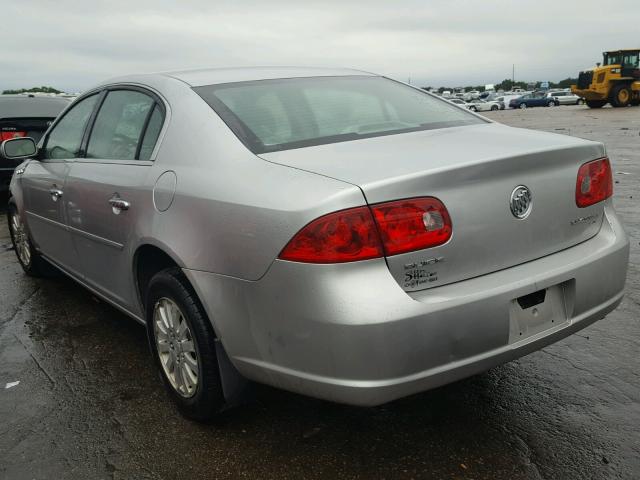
118, 204
55, 194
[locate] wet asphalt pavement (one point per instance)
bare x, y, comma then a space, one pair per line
90, 405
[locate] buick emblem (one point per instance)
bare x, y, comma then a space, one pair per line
521, 202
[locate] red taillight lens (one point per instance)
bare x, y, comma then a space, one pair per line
344, 236
412, 224
355, 234
595, 183
8, 135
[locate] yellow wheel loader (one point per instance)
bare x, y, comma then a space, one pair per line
616, 81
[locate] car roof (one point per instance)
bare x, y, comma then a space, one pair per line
211, 76
31, 106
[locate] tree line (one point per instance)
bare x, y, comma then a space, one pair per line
508, 85
42, 89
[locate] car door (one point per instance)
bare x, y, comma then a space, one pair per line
107, 190
44, 181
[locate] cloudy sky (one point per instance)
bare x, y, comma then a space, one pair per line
72, 44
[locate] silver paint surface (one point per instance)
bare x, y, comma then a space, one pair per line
346, 332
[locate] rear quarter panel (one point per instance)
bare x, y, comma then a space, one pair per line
232, 212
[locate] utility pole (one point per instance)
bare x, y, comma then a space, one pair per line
513, 73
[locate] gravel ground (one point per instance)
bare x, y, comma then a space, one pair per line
90, 405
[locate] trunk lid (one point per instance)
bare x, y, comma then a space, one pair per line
473, 170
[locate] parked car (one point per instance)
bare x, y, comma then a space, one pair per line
478, 105
535, 99
471, 95
565, 98
22, 116
262, 225
459, 102
500, 102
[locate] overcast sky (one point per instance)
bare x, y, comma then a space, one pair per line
74, 44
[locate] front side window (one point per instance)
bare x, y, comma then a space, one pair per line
273, 115
65, 139
119, 125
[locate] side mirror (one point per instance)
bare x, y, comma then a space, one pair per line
18, 148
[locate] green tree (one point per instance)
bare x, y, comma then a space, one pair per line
42, 89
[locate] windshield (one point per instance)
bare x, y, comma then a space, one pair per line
273, 115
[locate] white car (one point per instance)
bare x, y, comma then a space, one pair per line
565, 98
459, 102
478, 105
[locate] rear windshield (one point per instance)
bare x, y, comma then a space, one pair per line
273, 115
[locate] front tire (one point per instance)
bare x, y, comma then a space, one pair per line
580, 102
523, 106
551, 104
621, 96
473, 109
182, 343
30, 260
494, 108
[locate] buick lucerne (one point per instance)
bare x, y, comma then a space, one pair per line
329, 232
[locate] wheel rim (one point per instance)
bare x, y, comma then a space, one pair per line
20, 240
523, 105
176, 348
623, 95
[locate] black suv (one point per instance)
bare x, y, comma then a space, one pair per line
25, 116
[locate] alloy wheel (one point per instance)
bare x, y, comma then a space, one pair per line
20, 239
176, 347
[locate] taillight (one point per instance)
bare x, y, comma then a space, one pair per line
412, 224
594, 183
344, 236
8, 135
357, 234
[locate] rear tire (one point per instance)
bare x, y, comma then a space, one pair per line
187, 363
580, 101
522, 105
596, 103
621, 96
494, 108
473, 109
30, 260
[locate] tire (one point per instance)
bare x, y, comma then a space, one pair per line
621, 96
170, 292
473, 109
580, 101
596, 103
522, 105
551, 104
494, 108
30, 260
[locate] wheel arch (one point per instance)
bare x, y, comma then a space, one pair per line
148, 260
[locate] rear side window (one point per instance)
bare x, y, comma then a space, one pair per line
273, 115
120, 125
152, 133
65, 138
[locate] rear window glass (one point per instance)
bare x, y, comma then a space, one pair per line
273, 115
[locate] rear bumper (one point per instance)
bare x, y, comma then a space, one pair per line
349, 333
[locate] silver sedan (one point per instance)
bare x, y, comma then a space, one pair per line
329, 232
